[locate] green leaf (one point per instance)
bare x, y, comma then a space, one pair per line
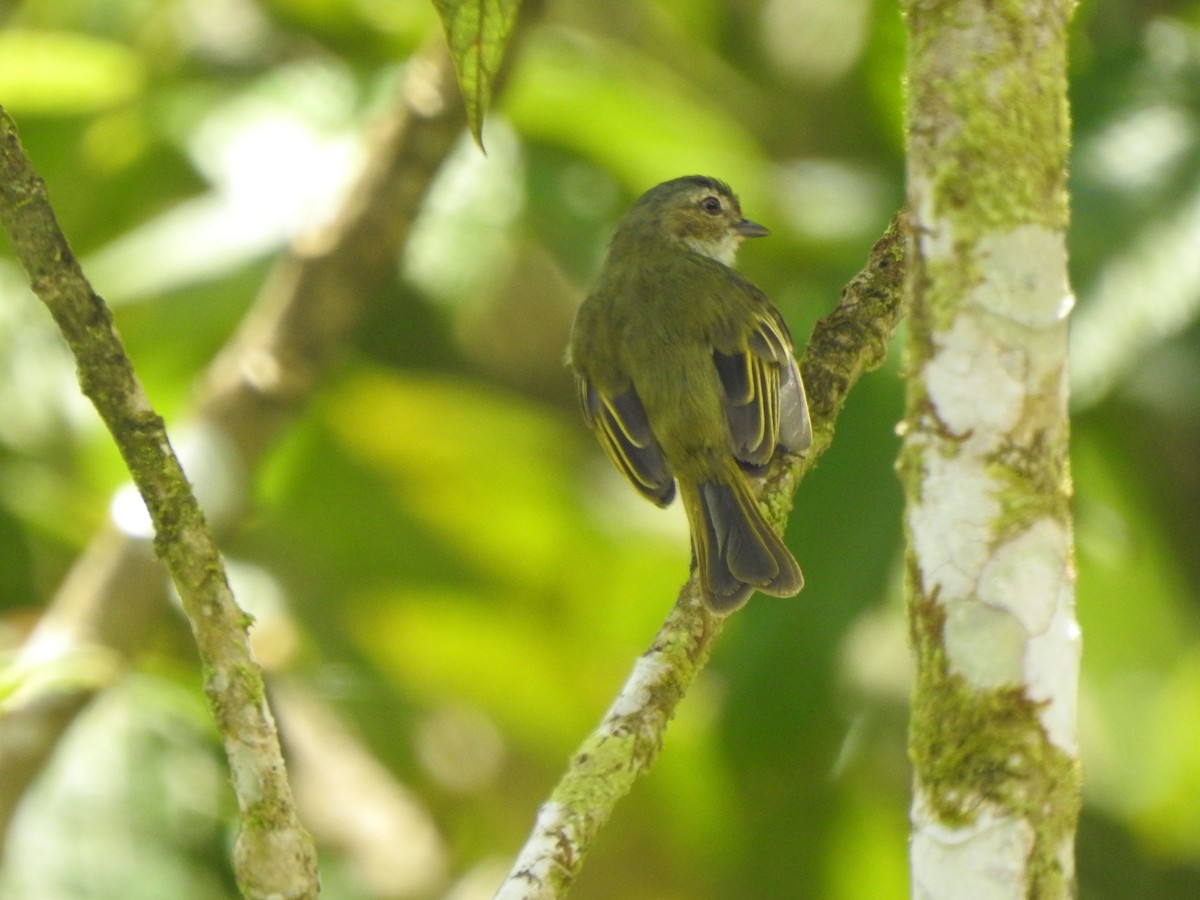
59, 73
477, 32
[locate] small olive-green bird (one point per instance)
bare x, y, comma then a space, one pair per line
685, 371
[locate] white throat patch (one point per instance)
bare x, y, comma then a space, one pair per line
724, 250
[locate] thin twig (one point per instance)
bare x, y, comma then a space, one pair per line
274, 856
848, 342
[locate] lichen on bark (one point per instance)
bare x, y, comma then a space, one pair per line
984, 463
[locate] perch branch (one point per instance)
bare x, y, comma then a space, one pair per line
849, 341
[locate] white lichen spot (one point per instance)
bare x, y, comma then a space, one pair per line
987, 854
1028, 585
531, 871
246, 765
951, 526
1026, 276
635, 695
975, 385
1052, 672
984, 645
1025, 575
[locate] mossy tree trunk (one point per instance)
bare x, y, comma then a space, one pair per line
990, 576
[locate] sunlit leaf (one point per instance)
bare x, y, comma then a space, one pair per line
1170, 818
478, 466
477, 32
866, 856
518, 668
1134, 608
56, 73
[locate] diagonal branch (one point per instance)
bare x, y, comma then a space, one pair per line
849, 341
274, 856
304, 314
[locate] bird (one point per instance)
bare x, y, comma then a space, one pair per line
687, 376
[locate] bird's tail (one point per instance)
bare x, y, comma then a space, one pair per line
737, 552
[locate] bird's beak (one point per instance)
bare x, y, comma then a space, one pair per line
746, 228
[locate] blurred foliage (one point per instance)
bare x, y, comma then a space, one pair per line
438, 553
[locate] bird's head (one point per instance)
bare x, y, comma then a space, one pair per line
700, 213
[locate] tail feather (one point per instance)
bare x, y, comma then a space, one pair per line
737, 551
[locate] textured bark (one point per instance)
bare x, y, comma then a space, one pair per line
984, 464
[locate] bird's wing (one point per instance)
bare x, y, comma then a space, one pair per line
624, 431
765, 404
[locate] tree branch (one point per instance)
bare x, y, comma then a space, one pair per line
848, 342
985, 461
305, 311
274, 857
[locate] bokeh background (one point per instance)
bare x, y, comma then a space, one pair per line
450, 581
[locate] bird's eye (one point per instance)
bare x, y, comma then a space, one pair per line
711, 205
